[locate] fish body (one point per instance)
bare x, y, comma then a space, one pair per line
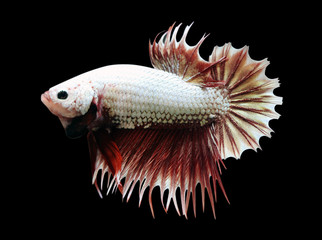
137, 96
170, 125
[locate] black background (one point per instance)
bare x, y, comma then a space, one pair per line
61, 42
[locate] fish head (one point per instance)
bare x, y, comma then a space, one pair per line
71, 102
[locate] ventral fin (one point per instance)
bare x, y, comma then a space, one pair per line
105, 156
179, 58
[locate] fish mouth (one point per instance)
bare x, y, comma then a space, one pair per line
45, 98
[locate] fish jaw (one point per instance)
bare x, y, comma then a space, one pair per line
46, 100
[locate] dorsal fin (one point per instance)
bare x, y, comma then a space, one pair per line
179, 58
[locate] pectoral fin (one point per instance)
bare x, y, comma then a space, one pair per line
77, 127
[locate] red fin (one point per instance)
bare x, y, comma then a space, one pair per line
104, 155
171, 159
179, 58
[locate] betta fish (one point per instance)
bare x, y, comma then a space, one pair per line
170, 126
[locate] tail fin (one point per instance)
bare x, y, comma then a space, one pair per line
251, 97
251, 100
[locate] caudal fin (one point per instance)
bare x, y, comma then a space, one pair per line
251, 100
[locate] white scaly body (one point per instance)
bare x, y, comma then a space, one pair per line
137, 96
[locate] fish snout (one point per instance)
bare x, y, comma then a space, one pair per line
45, 98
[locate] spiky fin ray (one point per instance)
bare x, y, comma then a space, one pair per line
179, 58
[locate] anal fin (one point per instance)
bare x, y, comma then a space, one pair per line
171, 159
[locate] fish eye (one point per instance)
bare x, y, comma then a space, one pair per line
62, 95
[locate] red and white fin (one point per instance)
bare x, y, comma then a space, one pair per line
179, 58
171, 159
251, 98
